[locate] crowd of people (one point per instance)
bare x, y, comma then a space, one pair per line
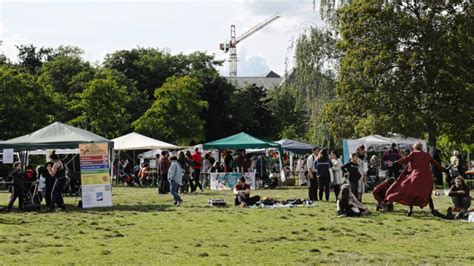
409, 178
46, 182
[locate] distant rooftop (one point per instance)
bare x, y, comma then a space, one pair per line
271, 80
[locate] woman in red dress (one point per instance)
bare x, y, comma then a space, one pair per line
415, 184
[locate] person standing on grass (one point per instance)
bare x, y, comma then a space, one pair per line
361, 186
175, 178
184, 163
49, 183
414, 188
242, 194
337, 173
164, 165
323, 167
392, 155
197, 166
58, 171
206, 169
16, 187
351, 169
312, 175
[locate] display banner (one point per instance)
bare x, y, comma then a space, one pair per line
95, 175
227, 181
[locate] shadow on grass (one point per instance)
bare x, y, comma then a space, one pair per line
114, 208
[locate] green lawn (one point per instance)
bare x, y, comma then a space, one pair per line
144, 227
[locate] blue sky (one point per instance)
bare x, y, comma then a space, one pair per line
101, 27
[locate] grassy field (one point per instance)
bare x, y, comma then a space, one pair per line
144, 227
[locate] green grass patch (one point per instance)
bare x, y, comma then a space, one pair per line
144, 227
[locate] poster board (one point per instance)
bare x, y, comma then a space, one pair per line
95, 175
227, 181
7, 156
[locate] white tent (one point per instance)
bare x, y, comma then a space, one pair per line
378, 143
135, 141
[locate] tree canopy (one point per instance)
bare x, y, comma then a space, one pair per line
174, 115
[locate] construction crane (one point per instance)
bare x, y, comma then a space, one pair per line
231, 46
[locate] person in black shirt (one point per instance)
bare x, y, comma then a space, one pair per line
17, 187
323, 165
352, 169
58, 171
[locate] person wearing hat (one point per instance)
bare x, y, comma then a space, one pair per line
175, 178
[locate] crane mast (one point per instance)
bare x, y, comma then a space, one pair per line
231, 46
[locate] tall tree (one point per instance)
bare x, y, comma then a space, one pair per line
311, 81
174, 115
216, 91
24, 104
251, 112
407, 67
65, 76
291, 116
102, 107
149, 67
32, 58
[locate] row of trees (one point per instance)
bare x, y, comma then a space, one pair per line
385, 66
377, 67
177, 98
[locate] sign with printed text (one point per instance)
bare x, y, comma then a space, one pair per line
95, 175
7, 156
227, 181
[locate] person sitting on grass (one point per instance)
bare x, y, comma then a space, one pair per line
379, 194
242, 194
459, 194
175, 178
348, 205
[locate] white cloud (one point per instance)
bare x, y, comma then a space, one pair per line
104, 26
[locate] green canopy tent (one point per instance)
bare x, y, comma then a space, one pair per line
244, 141
240, 141
55, 136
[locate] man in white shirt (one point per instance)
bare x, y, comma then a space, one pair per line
313, 177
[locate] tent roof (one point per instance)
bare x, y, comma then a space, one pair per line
295, 146
239, 141
395, 138
135, 141
55, 136
150, 154
377, 139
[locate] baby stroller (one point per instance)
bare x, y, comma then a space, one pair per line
125, 178
32, 197
73, 185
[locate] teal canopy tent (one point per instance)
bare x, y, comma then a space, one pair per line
240, 141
